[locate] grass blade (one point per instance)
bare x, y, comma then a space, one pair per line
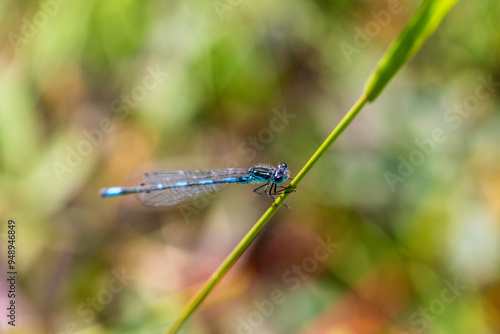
422, 24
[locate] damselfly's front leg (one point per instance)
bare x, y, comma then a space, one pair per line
265, 190
270, 190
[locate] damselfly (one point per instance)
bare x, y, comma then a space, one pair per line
173, 187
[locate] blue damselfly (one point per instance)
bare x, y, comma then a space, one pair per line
173, 187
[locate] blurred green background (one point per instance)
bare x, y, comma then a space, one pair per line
395, 230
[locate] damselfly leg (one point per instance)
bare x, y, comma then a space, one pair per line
271, 189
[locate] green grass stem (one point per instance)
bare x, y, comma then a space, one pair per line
425, 20
255, 230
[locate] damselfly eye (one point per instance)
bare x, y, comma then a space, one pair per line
283, 167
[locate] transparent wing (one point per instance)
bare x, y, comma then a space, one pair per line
178, 195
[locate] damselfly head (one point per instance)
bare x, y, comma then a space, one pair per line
281, 173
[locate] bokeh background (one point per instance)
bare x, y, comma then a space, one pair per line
395, 230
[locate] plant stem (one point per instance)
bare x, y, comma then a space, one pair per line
254, 232
422, 24
351, 114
